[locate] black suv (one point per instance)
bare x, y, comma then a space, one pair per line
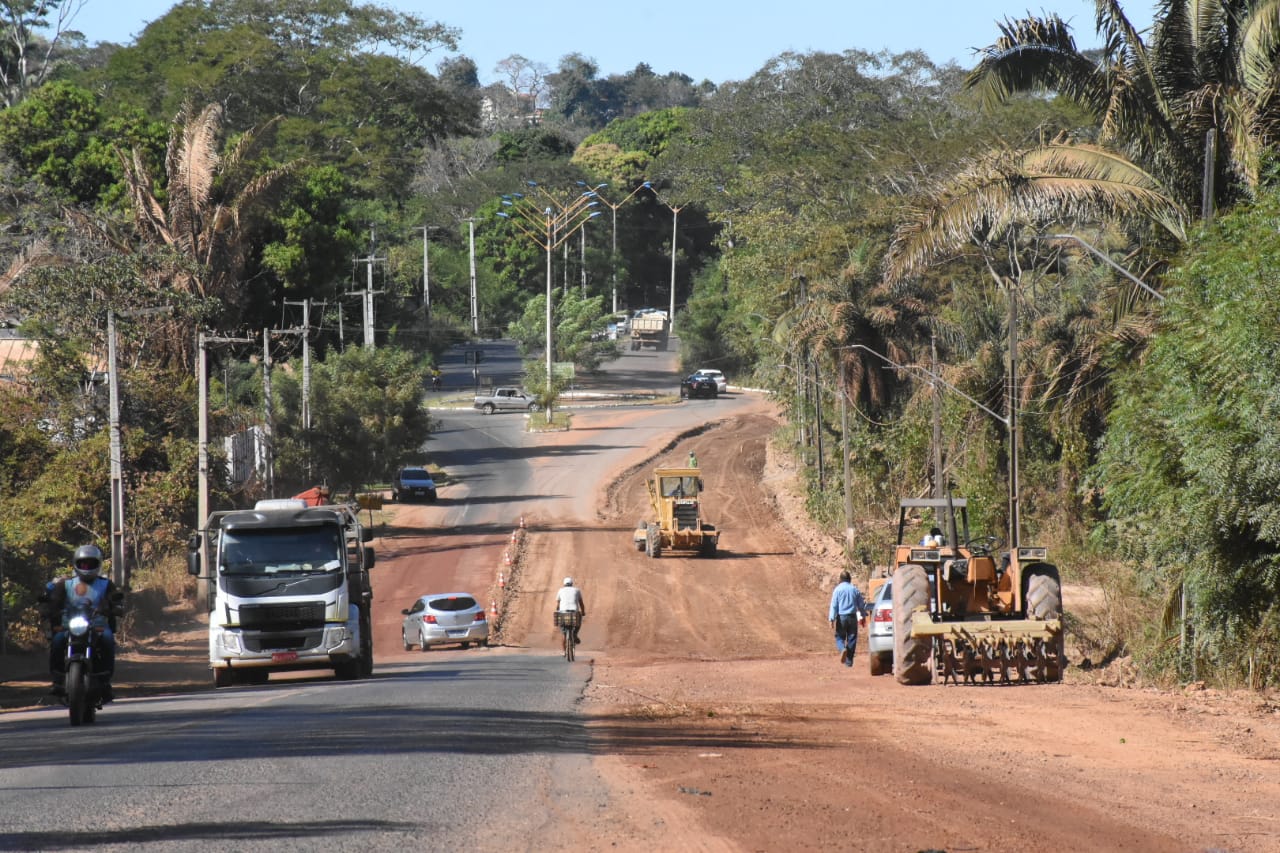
697, 385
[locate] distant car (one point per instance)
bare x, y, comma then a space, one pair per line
696, 385
413, 482
450, 617
880, 630
722, 384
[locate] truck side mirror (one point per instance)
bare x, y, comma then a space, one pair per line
193, 563
366, 535
368, 557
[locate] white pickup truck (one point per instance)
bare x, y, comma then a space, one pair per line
505, 400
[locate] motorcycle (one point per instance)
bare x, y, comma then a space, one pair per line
86, 689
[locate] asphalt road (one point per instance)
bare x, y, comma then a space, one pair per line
480, 749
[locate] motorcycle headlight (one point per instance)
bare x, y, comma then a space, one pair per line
78, 625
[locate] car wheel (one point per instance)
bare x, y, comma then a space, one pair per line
484, 644
431, 498
488, 408
533, 407
422, 642
404, 638
465, 646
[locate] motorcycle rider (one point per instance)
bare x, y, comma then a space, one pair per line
569, 597
86, 584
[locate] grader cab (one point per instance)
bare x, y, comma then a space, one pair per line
675, 495
966, 610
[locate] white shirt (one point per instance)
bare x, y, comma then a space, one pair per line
569, 598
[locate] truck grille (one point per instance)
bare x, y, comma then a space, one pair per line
282, 617
686, 516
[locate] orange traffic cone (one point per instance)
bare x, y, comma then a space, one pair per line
506, 558
493, 609
513, 537
522, 522
502, 581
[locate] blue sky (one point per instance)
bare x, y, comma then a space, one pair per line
707, 39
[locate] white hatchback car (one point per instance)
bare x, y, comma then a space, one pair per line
880, 630
449, 617
722, 384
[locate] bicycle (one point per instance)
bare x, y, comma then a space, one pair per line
568, 621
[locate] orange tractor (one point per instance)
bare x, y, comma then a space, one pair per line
965, 610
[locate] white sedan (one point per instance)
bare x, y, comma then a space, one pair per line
722, 384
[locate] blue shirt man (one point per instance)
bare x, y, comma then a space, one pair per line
845, 614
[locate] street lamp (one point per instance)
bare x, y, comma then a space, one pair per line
675, 219
613, 257
548, 227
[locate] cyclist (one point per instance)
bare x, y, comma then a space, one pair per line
569, 598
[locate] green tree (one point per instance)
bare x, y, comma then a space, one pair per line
577, 334
1209, 65
1188, 471
368, 418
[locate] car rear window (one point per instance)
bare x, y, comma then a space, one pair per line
453, 603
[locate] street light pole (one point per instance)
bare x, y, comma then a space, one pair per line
613, 256
675, 219
549, 228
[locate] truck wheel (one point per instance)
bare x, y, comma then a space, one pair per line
348, 670
1044, 601
910, 654
222, 677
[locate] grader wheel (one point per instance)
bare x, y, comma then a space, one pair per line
911, 655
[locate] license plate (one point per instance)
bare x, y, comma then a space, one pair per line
461, 633
283, 657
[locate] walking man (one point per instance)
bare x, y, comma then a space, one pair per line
693, 460
845, 615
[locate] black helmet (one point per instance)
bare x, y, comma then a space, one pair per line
88, 562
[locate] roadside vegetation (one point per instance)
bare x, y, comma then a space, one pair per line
1035, 229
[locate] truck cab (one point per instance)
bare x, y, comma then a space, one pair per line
290, 590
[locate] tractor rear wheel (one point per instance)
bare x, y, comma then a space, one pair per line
911, 655
1044, 601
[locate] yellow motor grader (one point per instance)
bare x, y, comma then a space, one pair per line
967, 611
674, 495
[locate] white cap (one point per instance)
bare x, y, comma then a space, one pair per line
568, 581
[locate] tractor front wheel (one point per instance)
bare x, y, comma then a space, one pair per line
911, 655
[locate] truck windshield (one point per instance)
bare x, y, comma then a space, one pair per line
312, 550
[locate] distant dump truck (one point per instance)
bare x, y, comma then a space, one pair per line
650, 330
505, 400
674, 494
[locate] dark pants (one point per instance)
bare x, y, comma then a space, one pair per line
104, 659
847, 635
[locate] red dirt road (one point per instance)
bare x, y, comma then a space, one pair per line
724, 721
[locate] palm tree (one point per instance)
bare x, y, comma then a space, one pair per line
1210, 65
197, 232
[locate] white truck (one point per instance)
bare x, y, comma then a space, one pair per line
505, 400
289, 590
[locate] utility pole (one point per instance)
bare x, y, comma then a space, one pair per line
582, 262
202, 464
268, 430
938, 488
471, 242
426, 274
118, 573
305, 332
